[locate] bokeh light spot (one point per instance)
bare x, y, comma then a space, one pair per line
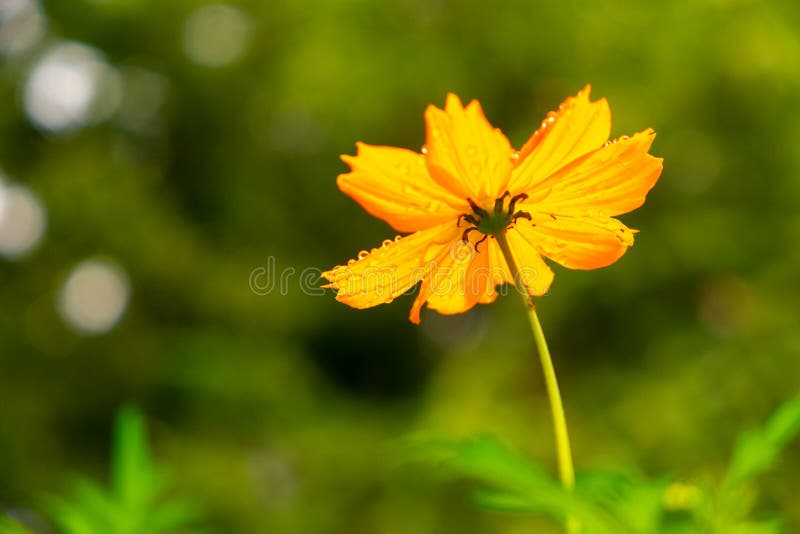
94, 296
2, 195
22, 25
725, 305
145, 92
22, 220
216, 35
71, 86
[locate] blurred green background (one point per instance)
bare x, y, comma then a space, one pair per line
161, 156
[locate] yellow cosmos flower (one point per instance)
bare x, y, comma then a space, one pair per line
556, 198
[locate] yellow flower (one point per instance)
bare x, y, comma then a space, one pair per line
555, 198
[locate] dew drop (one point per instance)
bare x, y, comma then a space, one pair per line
551, 119
386, 242
515, 156
424, 150
434, 205
350, 262
363, 254
397, 238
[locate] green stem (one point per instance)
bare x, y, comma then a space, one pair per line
566, 470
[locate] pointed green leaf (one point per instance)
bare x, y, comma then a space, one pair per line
756, 450
9, 526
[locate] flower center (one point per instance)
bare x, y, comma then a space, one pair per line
491, 223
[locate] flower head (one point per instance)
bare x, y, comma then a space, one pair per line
556, 197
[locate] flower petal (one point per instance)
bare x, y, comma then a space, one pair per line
533, 271
466, 154
577, 242
441, 261
392, 269
458, 285
578, 127
393, 184
609, 181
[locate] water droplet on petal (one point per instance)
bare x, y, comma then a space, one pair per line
515, 156
397, 238
424, 149
386, 242
350, 262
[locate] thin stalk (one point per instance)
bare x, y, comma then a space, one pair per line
566, 470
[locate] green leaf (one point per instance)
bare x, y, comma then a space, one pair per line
516, 484
9, 526
633, 501
482, 458
135, 479
135, 504
171, 516
89, 508
756, 450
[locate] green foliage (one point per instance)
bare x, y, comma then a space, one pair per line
136, 502
9, 526
279, 405
602, 502
757, 450
607, 502
519, 485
